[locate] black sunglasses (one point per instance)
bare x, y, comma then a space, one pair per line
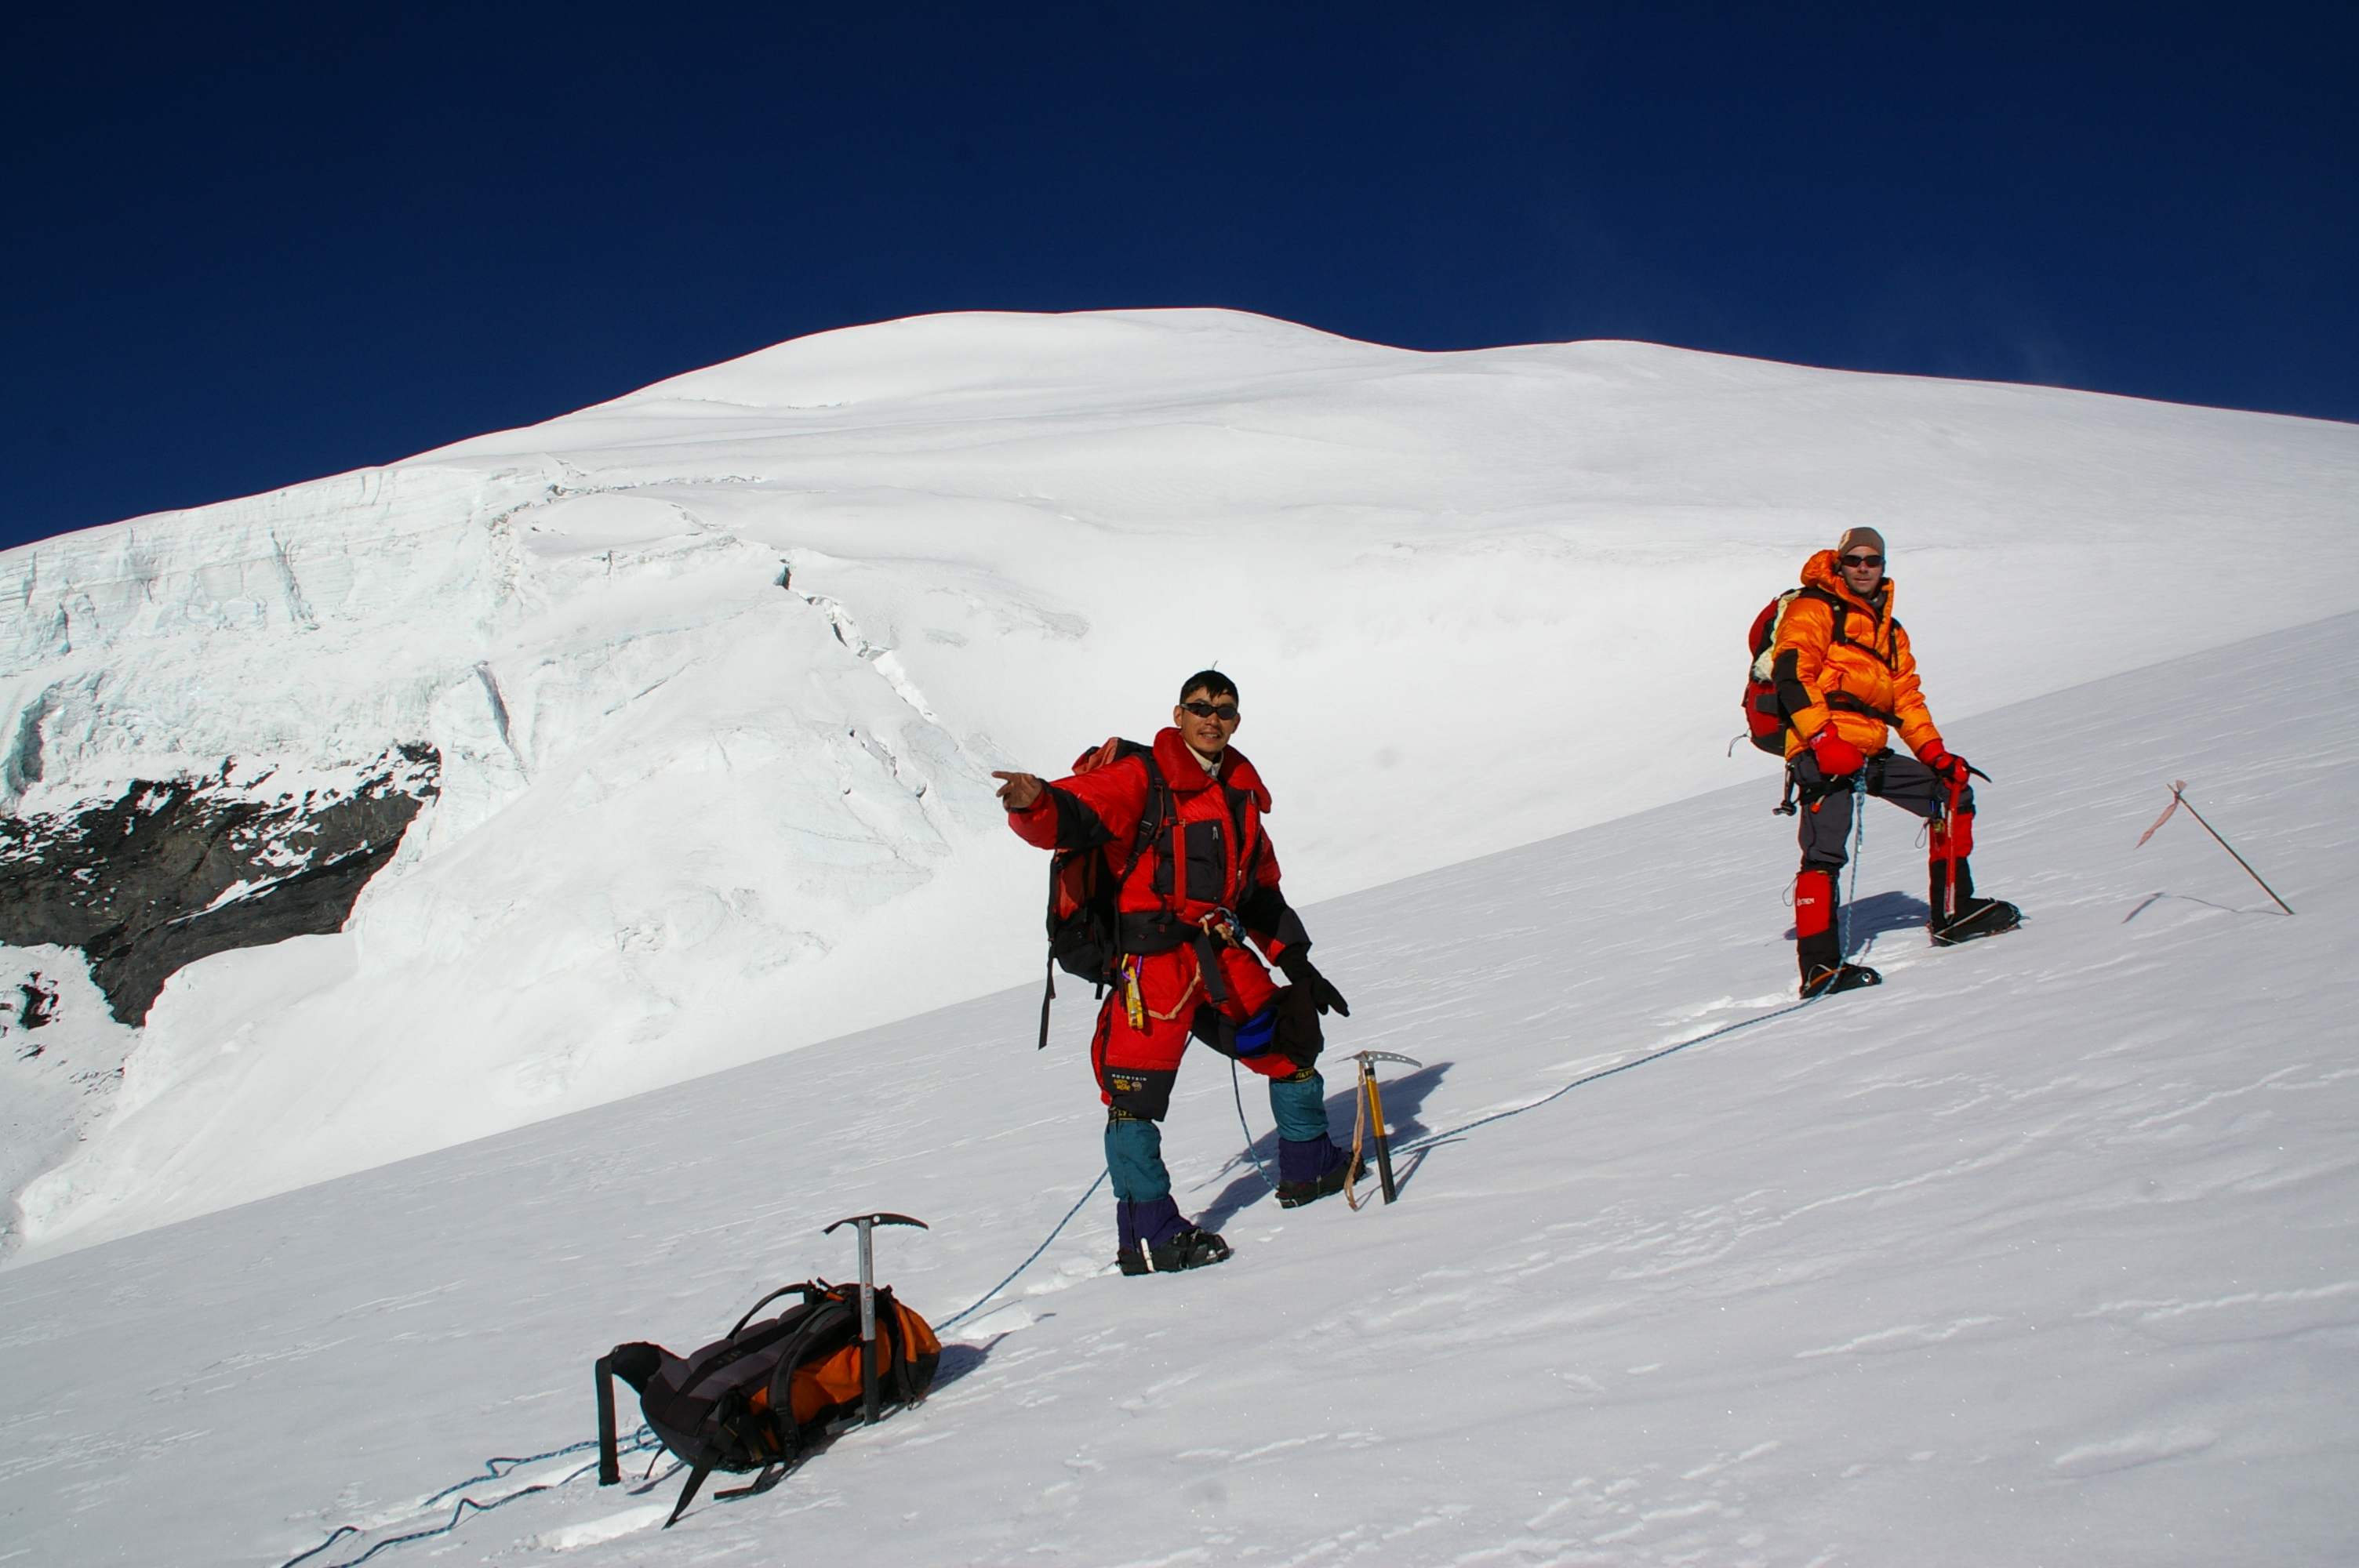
1863, 560
1227, 712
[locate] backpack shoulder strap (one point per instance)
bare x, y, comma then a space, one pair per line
808, 1290
1157, 810
1836, 609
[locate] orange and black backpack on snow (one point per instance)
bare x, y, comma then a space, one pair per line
766, 1394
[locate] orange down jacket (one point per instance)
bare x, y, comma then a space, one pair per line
1861, 681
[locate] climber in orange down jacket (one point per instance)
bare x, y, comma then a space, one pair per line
1845, 678
1203, 883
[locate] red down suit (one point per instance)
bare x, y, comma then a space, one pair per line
1210, 857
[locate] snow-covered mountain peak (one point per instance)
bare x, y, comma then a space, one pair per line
713, 675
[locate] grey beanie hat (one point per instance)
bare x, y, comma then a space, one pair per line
1854, 536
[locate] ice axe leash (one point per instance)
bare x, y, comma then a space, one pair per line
867, 1223
2178, 799
1368, 1111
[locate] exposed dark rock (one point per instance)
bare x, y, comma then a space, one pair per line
40, 1004
176, 871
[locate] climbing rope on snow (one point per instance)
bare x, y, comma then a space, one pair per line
1842, 939
641, 1440
1027, 1262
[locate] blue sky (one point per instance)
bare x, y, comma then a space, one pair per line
252, 245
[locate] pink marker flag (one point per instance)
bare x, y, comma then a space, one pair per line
2176, 785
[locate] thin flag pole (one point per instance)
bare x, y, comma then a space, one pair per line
2178, 799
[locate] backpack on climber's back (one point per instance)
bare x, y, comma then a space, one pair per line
1765, 718
1084, 928
766, 1394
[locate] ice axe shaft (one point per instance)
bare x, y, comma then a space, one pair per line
2178, 799
1368, 1060
865, 1223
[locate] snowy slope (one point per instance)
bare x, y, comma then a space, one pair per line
716, 671
2042, 1253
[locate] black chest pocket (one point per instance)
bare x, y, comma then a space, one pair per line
1208, 863
1205, 862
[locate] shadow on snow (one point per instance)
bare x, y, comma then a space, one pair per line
1404, 1099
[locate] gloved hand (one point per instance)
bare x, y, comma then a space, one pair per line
1950, 769
1837, 756
1295, 964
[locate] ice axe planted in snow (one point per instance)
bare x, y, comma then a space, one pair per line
1371, 1107
867, 1222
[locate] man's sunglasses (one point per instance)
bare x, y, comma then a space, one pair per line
1227, 712
1863, 560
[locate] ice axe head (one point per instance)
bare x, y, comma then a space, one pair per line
1365, 1057
865, 1220
864, 1224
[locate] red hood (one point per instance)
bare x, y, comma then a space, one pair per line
1187, 776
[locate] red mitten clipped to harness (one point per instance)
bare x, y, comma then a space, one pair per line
1836, 755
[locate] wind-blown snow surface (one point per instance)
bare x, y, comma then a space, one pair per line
2044, 1252
692, 815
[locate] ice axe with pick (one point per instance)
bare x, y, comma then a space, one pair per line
1371, 1108
868, 1222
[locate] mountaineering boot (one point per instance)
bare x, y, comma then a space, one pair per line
1345, 1169
1142, 1227
1192, 1248
1839, 978
1817, 947
1969, 916
1309, 1166
1189, 1248
1977, 917
1154, 1239
1146, 1218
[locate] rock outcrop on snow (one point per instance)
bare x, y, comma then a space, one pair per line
174, 870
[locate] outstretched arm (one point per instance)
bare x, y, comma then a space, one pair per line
1077, 813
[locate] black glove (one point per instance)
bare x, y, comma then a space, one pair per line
1295, 964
